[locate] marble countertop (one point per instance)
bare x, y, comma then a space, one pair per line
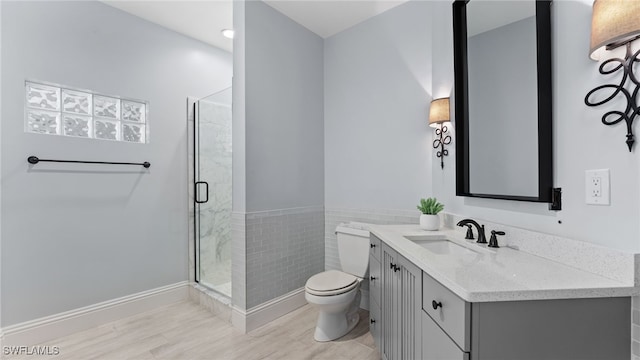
503, 274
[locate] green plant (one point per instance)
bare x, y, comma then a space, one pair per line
430, 206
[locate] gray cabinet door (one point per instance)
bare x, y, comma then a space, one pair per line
375, 280
568, 329
410, 309
390, 305
401, 307
436, 345
375, 323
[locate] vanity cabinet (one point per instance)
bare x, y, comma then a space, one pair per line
413, 316
396, 295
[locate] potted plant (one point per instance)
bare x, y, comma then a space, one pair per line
429, 220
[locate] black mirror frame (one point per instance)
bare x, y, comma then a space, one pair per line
545, 134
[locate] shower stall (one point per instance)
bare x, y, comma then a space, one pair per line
212, 191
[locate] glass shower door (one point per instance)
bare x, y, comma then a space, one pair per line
212, 185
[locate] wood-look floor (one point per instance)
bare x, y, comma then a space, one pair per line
187, 331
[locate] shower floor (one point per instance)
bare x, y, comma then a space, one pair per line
224, 289
218, 277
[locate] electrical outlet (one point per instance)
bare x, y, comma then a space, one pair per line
597, 187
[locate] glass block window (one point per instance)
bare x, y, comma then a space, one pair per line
59, 110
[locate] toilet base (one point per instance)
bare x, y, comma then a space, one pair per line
335, 325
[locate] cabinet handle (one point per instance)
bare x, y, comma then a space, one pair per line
372, 245
373, 321
373, 278
435, 305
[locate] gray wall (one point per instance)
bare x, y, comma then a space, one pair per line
75, 235
366, 161
503, 156
278, 82
284, 111
377, 94
581, 142
239, 181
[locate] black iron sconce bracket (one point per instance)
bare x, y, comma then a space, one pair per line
440, 142
632, 110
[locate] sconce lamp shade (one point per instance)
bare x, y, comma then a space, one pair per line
439, 111
613, 22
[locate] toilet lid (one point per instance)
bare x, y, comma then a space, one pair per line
331, 282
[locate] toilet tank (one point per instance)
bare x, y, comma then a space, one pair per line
353, 248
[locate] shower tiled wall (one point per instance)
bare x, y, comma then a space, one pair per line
283, 249
215, 214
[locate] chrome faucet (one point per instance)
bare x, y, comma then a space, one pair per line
482, 239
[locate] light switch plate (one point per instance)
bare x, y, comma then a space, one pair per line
597, 189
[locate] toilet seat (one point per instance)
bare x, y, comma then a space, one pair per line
330, 283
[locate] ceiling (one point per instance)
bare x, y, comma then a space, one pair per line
327, 18
203, 20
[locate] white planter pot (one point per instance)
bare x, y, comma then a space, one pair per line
429, 222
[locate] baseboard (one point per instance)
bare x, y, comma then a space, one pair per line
253, 318
54, 326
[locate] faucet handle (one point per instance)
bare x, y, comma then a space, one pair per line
469, 235
493, 242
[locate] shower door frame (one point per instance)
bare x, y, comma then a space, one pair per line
197, 201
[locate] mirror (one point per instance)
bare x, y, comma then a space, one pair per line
502, 61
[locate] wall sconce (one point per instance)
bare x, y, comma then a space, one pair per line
616, 23
438, 115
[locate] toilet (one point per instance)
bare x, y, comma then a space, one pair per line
336, 294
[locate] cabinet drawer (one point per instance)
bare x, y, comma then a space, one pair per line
375, 247
453, 316
375, 280
375, 323
436, 344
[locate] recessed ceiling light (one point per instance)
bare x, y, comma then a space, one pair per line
228, 33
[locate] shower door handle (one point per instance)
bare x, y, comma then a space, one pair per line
206, 191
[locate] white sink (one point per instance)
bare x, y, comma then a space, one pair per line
441, 245
445, 247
